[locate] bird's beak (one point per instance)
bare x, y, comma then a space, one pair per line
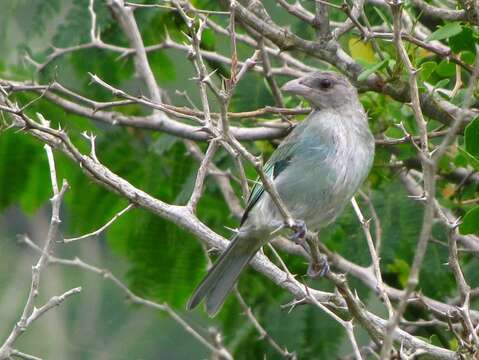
296, 87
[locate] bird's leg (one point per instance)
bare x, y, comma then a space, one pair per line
300, 231
299, 235
318, 266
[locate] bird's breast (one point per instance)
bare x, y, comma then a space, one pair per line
327, 163
323, 177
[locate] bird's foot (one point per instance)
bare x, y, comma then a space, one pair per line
300, 231
318, 263
318, 267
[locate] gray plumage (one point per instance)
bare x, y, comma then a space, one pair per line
316, 169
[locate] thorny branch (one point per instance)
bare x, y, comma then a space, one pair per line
102, 229
374, 256
262, 332
135, 299
271, 44
30, 311
184, 218
429, 170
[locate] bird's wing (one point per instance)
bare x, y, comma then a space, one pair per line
278, 162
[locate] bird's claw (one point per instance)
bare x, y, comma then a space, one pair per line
300, 231
319, 267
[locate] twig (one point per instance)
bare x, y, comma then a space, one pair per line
224, 98
429, 170
30, 312
221, 178
464, 288
128, 24
201, 175
441, 13
321, 20
23, 355
281, 263
365, 224
201, 11
78, 263
377, 222
275, 91
203, 77
435, 47
144, 101
102, 228
179, 215
226, 135
262, 332
347, 325
353, 16
409, 138
352, 303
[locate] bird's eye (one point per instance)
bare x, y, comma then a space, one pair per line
324, 84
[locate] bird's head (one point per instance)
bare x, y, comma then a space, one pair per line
323, 89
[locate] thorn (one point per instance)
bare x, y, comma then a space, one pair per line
279, 228
235, 230
208, 77
456, 223
167, 35
187, 36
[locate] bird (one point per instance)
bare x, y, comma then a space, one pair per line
316, 170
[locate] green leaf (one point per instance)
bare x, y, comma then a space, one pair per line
163, 144
445, 32
446, 69
453, 344
468, 57
251, 93
463, 41
471, 137
470, 222
427, 68
442, 83
371, 69
383, 17
472, 160
402, 269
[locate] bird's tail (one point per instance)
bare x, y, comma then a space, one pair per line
222, 276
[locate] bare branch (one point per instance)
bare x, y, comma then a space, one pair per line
222, 179
280, 50
365, 224
275, 91
353, 18
102, 229
23, 355
30, 312
127, 22
262, 332
201, 175
441, 13
106, 274
429, 170
185, 219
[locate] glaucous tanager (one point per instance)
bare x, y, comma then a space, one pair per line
316, 170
